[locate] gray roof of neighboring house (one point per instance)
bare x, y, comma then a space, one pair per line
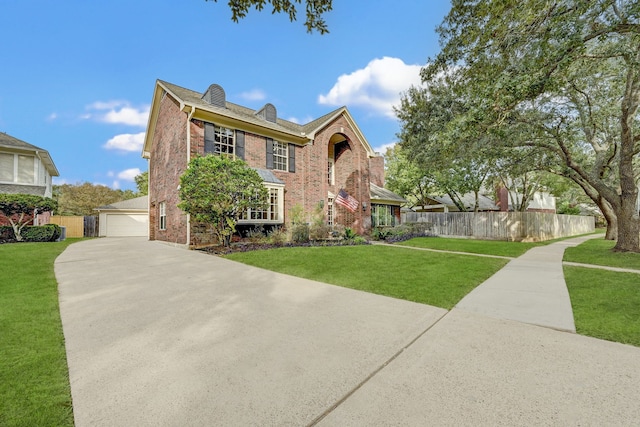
137, 204
243, 113
8, 141
379, 193
35, 190
469, 201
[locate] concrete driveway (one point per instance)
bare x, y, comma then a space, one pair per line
162, 336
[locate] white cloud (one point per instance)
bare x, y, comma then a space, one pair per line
129, 174
382, 149
118, 112
254, 95
378, 86
115, 185
126, 142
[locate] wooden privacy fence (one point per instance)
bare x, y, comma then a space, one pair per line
514, 226
77, 226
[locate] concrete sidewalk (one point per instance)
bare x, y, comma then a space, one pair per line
161, 336
529, 289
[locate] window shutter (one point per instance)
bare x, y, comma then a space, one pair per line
209, 138
240, 144
292, 158
269, 153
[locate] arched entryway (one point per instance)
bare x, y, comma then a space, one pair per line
345, 197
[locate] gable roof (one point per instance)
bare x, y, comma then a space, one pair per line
10, 142
237, 116
137, 204
469, 201
379, 194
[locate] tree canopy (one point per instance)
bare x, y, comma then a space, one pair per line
142, 183
217, 191
315, 10
20, 209
82, 199
554, 83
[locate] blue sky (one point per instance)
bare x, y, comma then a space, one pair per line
77, 76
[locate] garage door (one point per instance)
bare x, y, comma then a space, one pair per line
120, 225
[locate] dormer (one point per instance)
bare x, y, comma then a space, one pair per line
268, 113
215, 96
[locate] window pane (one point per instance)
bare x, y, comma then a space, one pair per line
6, 167
280, 156
25, 169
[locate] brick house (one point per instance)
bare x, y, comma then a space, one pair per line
306, 165
25, 169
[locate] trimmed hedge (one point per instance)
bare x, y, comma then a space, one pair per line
39, 233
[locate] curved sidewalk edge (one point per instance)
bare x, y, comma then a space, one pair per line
529, 289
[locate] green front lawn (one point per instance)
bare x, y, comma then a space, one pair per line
488, 247
34, 378
425, 277
598, 252
606, 304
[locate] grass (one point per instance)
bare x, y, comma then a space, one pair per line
598, 252
489, 247
606, 304
34, 377
425, 277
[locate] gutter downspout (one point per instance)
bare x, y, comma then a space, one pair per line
189, 117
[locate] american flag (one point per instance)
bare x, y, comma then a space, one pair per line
344, 199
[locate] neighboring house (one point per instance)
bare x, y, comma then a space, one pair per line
540, 201
25, 169
445, 204
126, 218
306, 165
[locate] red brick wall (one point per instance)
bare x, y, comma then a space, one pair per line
167, 162
376, 168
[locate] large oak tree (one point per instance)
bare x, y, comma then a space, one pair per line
559, 78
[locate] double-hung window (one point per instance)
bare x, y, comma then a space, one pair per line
17, 168
219, 140
280, 155
162, 215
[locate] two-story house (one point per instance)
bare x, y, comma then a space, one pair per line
326, 162
25, 169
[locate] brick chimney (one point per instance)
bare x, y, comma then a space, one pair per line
503, 198
376, 170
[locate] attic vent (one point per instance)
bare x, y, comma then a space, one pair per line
268, 112
215, 96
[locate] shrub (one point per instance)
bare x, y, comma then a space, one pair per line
277, 236
319, 230
381, 233
6, 234
349, 234
300, 233
40, 233
256, 234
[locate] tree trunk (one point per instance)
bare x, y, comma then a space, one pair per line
611, 218
629, 224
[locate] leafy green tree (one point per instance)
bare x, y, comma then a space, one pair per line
20, 209
216, 190
82, 199
142, 183
315, 9
406, 178
565, 73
